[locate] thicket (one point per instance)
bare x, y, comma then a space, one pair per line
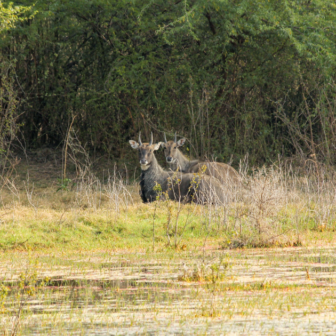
232, 76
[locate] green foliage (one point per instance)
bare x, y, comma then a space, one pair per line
63, 184
209, 69
10, 15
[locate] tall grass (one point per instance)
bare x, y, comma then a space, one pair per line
272, 206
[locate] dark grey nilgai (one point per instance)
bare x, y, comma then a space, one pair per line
223, 172
179, 186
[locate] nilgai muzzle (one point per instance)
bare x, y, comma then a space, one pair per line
221, 171
177, 185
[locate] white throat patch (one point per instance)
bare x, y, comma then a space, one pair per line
144, 167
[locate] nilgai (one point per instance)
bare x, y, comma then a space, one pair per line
177, 185
221, 171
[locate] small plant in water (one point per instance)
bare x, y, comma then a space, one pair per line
213, 273
27, 287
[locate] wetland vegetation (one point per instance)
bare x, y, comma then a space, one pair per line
92, 259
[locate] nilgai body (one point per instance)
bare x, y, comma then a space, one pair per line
221, 171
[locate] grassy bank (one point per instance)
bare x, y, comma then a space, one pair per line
23, 229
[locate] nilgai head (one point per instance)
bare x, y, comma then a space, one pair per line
171, 148
146, 151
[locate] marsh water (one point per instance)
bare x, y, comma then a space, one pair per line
288, 291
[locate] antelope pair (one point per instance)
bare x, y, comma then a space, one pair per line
177, 185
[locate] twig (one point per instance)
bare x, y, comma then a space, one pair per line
154, 226
66, 148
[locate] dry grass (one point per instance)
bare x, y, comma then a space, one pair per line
274, 206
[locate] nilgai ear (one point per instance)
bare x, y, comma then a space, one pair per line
162, 144
157, 146
134, 144
181, 142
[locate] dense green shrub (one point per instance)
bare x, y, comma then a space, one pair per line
232, 76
